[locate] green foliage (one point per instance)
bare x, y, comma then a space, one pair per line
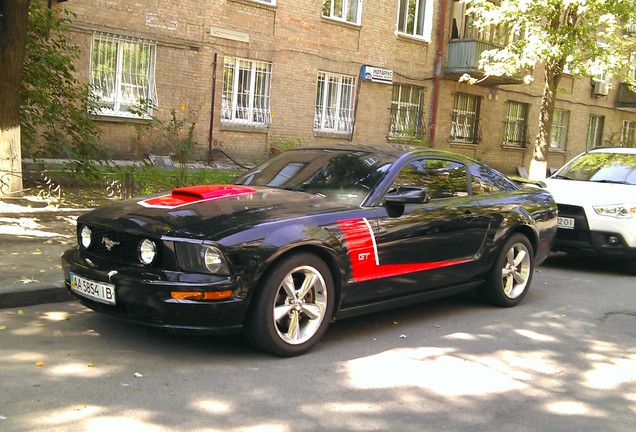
54, 103
587, 37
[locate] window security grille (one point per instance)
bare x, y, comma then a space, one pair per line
246, 92
515, 126
343, 10
123, 75
334, 103
465, 120
406, 112
559, 131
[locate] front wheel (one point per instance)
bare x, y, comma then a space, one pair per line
292, 307
510, 277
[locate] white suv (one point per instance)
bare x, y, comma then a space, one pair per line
596, 196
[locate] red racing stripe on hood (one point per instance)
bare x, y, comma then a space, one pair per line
195, 194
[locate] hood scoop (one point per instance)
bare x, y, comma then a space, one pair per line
194, 194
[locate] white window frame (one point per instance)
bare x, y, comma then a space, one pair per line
406, 112
246, 92
628, 133
595, 131
465, 119
335, 102
559, 131
127, 89
423, 16
267, 2
516, 124
342, 14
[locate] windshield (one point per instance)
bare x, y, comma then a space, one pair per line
344, 175
602, 167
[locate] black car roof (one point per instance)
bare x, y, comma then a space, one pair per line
395, 150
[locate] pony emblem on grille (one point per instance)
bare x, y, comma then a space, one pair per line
110, 244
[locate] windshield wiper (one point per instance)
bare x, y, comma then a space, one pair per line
611, 181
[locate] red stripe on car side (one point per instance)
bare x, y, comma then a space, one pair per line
364, 259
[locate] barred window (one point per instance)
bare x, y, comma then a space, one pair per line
559, 131
516, 125
343, 10
415, 18
334, 103
628, 133
465, 121
123, 75
595, 131
246, 92
406, 112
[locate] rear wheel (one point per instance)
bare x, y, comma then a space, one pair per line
292, 307
510, 277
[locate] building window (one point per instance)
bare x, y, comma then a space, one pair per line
463, 27
595, 131
628, 133
334, 103
516, 125
465, 121
343, 10
559, 131
246, 92
268, 2
406, 112
123, 75
415, 18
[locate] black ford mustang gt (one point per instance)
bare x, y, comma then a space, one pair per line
311, 235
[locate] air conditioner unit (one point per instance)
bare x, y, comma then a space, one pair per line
601, 88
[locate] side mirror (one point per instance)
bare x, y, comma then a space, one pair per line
408, 195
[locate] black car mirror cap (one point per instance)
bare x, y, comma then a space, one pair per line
408, 195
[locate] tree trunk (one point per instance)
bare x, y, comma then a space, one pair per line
14, 18
539, 164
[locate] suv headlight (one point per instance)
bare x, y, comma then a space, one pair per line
620, 211
201, 258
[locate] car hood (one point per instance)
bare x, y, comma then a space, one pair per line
209, 216
586, 193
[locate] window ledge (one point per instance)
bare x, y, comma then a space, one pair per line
329, 134
237, 127
415, 39
510, 147
461, 144
342, 23
558, 151
120, 118
256, 3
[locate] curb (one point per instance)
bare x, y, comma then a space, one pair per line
33, 295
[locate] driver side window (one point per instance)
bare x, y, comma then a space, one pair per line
443, 178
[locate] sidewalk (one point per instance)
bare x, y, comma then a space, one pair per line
33, 236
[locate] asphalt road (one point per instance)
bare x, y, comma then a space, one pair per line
564, 360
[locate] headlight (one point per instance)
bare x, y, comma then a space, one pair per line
147, 251
200, 258
85, 237
621, 211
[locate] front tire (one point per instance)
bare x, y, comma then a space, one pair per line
510, 277
292, 307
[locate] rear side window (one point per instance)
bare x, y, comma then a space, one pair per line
486, 180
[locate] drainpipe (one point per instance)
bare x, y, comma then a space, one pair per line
438, 70
210, 134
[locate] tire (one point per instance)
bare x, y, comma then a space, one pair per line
292, 307
509, 279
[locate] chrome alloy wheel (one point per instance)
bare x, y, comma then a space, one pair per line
516, 270
299, 305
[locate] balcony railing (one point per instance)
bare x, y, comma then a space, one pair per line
463, 58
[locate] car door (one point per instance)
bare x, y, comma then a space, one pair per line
432, 243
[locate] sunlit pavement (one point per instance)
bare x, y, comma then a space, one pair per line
564, 360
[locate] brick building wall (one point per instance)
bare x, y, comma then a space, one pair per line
194, 37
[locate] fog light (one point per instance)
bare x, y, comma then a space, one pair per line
201, 295
613, 240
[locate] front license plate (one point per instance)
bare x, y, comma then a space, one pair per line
101, 292
565, 222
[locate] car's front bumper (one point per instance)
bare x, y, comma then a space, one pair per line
144, 296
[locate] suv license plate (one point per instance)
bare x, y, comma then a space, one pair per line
100, 292
565, 222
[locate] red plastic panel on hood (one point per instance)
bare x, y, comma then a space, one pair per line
194, 194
